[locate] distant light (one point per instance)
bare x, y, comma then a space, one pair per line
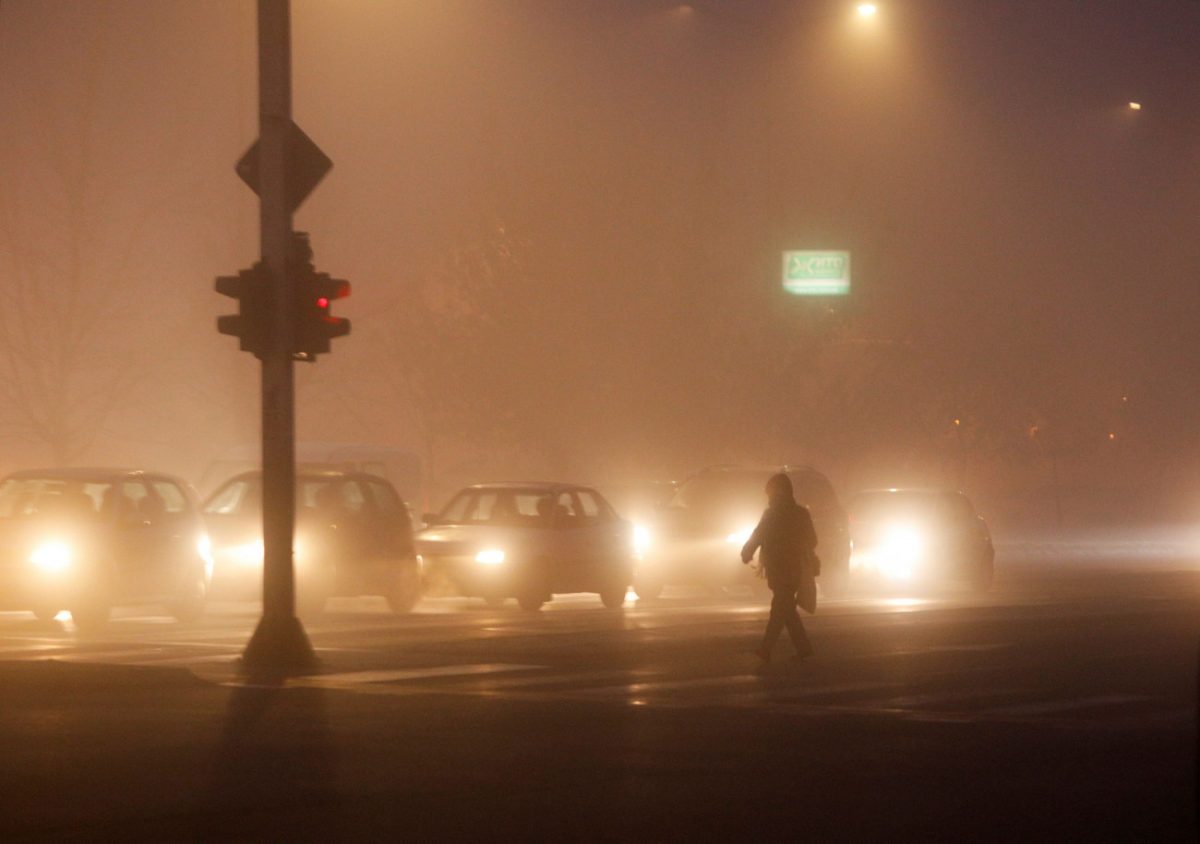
867, 10
1124, 398
322, 303
1111, 435
1135, 106
957, 422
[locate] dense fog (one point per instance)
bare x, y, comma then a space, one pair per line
563, 224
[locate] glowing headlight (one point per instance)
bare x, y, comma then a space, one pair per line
901, 547
247, 554
52, 556
642, 540
490, 557
204, 551
740, 537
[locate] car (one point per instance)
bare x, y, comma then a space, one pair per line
697, 538
353, 537
919, 536
86, 540
530, 541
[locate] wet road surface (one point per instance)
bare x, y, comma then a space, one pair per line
1063, 702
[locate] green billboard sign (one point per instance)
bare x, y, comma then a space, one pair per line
825, 273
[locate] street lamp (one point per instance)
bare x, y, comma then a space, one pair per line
1135, 106
867, 10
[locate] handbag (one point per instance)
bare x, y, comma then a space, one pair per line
806, 594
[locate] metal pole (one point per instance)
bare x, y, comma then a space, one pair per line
279, 644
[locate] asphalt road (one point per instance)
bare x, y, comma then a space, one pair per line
1063, 704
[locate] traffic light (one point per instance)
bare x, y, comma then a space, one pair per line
252, 290
315, 326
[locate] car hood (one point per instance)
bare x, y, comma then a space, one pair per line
455, 540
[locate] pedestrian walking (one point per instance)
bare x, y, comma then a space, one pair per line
785, 540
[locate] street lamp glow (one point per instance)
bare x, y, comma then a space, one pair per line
1135, 106
867, 10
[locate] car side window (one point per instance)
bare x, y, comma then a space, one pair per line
566, 510
173, 500
592, 511
387, 501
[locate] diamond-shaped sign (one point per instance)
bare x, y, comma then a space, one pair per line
306, 167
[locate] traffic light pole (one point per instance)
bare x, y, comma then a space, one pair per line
279, 645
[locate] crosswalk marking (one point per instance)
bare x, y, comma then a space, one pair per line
785, 694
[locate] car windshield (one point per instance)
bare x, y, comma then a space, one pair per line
505, 507
27, 497
876, 506
243, 496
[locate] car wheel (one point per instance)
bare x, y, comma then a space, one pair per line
193, 595
405, 590
613, 598
647, 589
531, 599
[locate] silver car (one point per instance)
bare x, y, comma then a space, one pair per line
529, 541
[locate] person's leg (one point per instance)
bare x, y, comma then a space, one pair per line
775, 623
797, 633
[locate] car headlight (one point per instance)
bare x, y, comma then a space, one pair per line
490, 557
246, 554
204, 551
740, 537
54, 556
642, 540
901, 547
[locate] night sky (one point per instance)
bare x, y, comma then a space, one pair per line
563, 222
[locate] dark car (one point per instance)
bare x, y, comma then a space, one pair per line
353, 537
530, 541
920, 536
698, 537
87, 540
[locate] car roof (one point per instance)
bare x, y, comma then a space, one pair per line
909, 490
84, 473
314, 474
755, 469
527, 486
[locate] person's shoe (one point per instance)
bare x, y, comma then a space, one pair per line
763, 654
801, 656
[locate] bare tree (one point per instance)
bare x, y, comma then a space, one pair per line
72, 262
